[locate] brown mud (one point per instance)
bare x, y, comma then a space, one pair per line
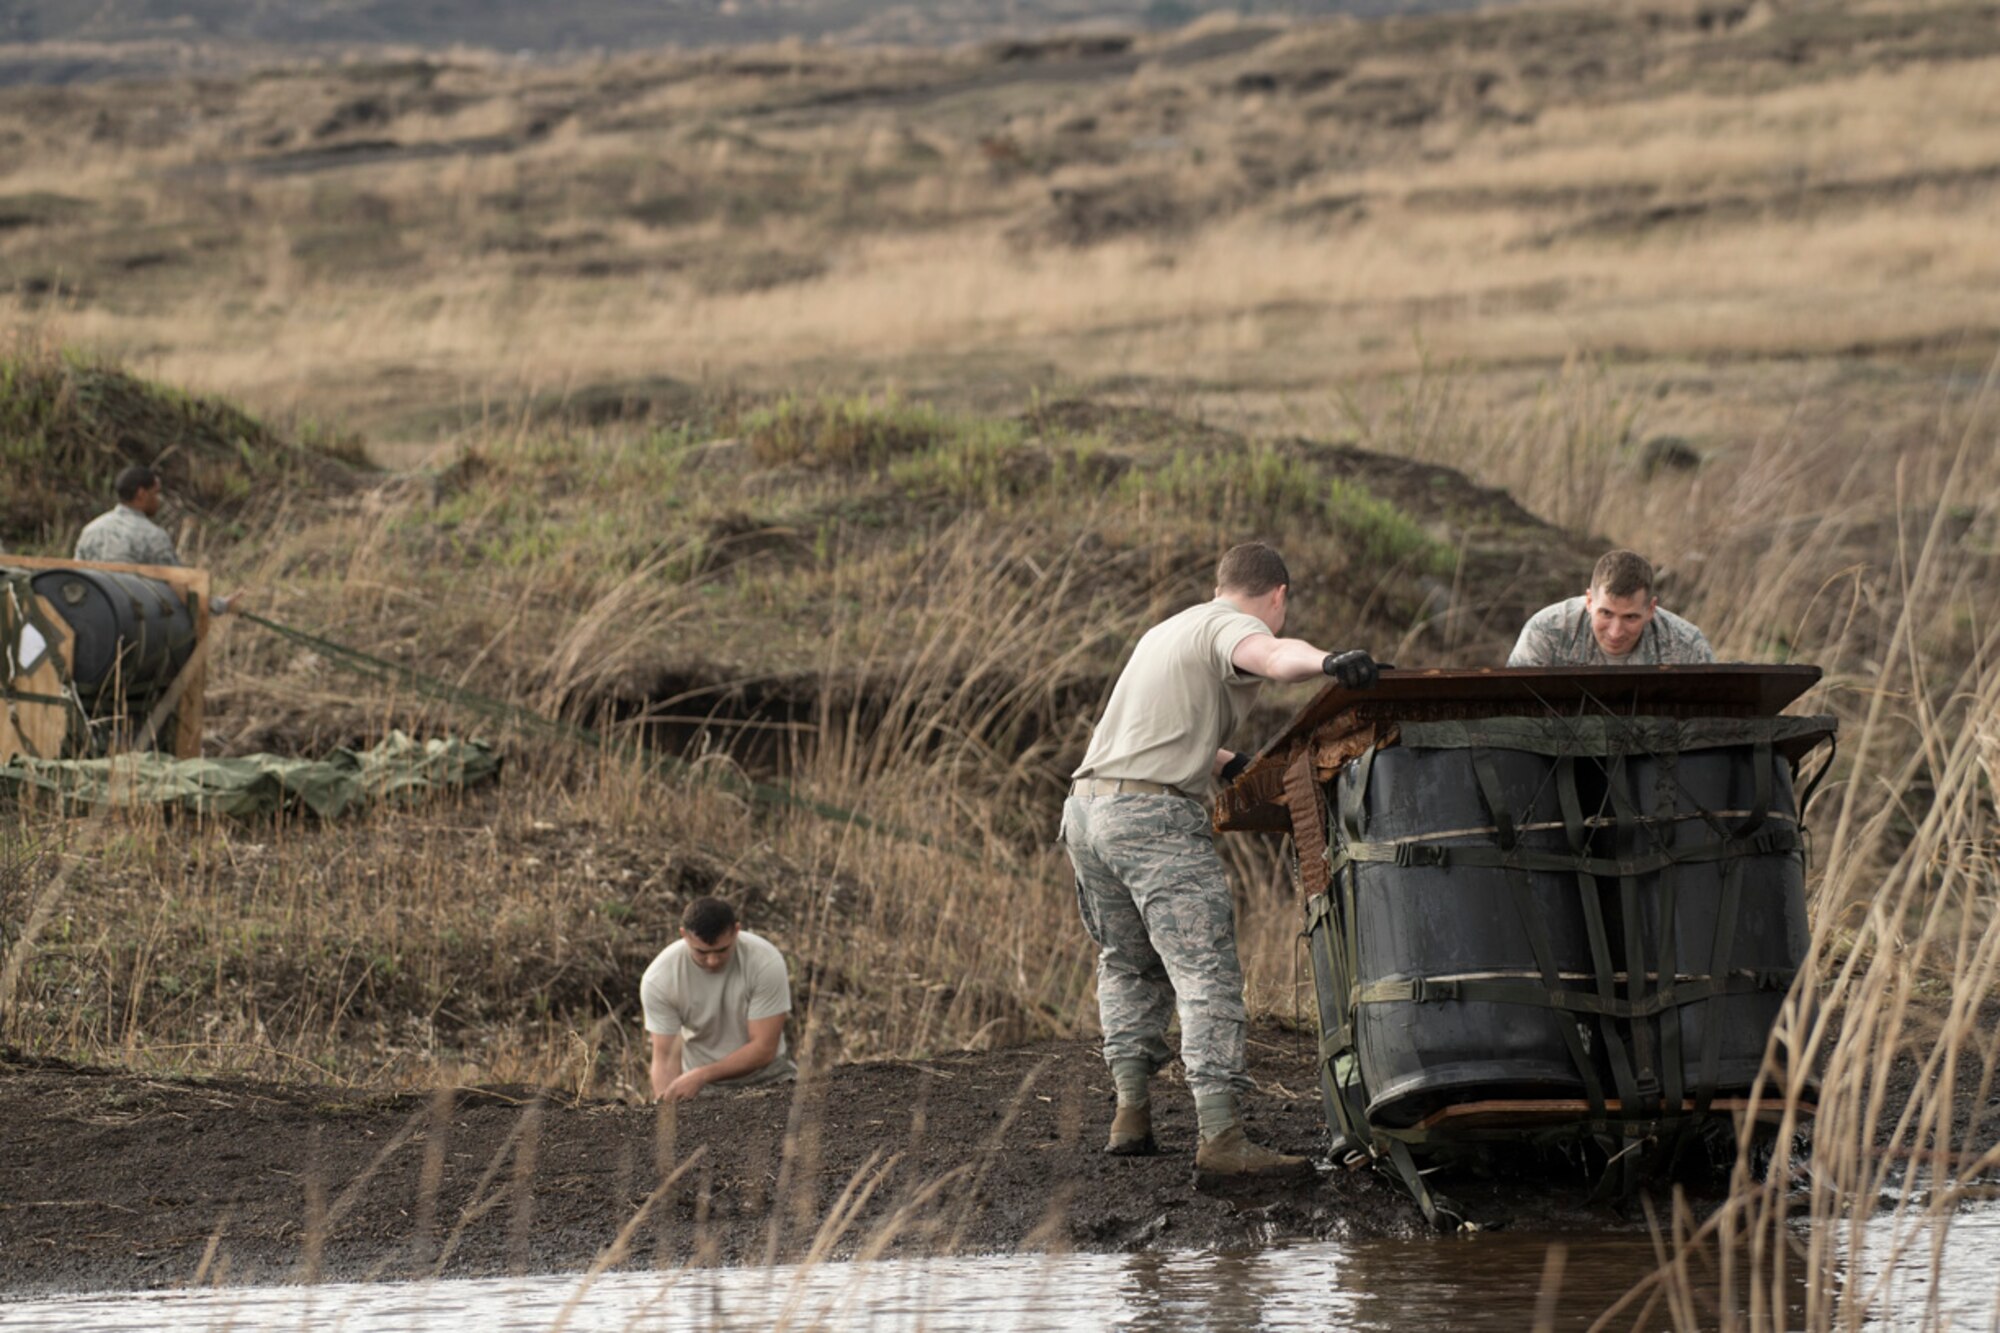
114, 1180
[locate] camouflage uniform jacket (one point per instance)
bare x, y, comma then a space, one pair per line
124, 536
1559, 636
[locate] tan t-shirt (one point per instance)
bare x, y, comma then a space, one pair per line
1177, 701
712, 1010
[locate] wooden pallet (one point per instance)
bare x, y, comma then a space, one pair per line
38, 728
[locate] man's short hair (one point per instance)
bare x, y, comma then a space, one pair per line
1622, 574
708, 918
134, 479
1252, 569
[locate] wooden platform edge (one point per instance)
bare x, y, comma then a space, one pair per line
29, 727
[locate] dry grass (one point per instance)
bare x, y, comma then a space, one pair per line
1762, 190
1900, 983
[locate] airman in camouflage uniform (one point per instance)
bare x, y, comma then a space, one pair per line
127, 535
1149, 885
1618, 622
1154, 899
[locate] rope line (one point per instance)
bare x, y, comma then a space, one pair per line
499, 710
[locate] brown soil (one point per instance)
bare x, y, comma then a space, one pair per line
113, 1180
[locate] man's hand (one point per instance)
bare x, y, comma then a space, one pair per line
684, 1087
1238, 761
1355, 670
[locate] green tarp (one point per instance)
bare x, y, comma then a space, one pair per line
398, 769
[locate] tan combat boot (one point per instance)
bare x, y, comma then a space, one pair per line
1231, 1154
1132, 1133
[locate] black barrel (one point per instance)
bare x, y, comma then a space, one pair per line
132, 633
1747, 914
1412, 922
1440, 962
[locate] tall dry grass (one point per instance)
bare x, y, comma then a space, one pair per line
1895, 1010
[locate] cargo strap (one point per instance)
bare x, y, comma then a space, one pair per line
1604, 735
431, 687
1422, 852
1336, 1029
30, 697
1529, 989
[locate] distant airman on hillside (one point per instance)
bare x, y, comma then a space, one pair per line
126, 534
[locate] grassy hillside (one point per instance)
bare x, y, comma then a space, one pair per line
69, 424
905, 611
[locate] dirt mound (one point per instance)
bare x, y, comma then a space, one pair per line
70, 424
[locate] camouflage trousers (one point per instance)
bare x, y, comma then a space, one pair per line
1154, 899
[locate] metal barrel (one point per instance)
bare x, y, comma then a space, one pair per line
1603, 922
1422, 922
132, 633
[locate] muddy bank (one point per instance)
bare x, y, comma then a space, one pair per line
110, 1180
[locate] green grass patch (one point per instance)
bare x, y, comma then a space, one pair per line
1382, 534
855, 434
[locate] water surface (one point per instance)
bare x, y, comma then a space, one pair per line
1493, 1281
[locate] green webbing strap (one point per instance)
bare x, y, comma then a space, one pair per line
1415, 852
1605, 1127
29, 696
1533, 990
1627, 830
1579, 835
1719, 951
1439, 1211
1760, 805
1495, 797
1350, 921
1336, 1029
764, 793
1610, 736
1812, 788
1672, 1085
1532, 924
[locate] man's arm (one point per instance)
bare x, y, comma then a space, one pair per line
666, 1062
1289, 661
753, 1055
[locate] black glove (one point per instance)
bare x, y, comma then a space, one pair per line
1355, 670
1238, 761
